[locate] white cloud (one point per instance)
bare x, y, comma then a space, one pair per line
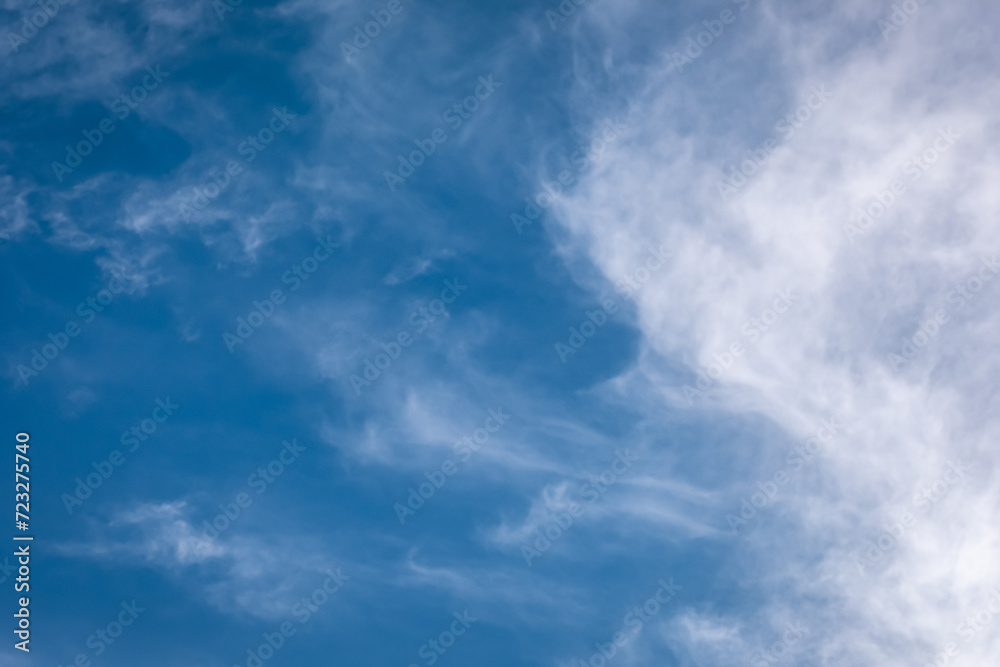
236, 573
828, 355
14, 216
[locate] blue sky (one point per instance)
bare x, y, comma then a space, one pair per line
510, 333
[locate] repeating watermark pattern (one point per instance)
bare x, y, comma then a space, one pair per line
778, 650
88, 310
464, 449
887, 196
420, 319
250, 148
753, 330
302, 611
34, 21
787, 126
121, 106
628, 286
963, 293
295, 277
260, 481
224, 7
432, 651
372, 29
454, 118
797, 458
973, 625
581, 159
592, 492
6, 569
899, 16
133, 438
580, 334
105, 637
632, 624
713, 29
924, 500
927, 332
631, 283
967, 630
556, 17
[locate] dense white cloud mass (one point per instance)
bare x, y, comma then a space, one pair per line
903, 127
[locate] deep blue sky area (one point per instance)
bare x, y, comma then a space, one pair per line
413, 332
